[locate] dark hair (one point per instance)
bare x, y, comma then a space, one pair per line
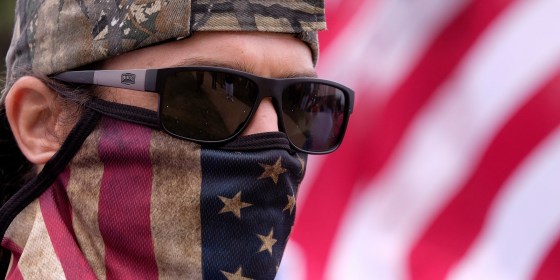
15, 169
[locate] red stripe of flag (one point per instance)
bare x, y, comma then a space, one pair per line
338, 18
436, 66
124, 201
367, 149
451, 234
57, 214
550, 267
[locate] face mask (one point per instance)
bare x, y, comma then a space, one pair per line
134, 202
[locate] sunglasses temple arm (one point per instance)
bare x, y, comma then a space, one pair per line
142, 80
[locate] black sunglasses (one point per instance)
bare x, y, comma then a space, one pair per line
214, 105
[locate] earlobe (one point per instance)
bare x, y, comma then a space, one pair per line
33, 118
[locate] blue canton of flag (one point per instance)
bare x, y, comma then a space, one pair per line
246, 222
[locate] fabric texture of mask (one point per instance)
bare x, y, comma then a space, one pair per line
135, 203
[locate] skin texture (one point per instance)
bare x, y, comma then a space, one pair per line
35, 114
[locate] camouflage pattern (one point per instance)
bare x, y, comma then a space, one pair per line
52, 36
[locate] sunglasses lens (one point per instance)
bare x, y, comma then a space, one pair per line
314, 116
206, 105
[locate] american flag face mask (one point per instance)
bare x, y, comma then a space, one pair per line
125, 201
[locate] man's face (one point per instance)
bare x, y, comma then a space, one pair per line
263, 54
123, 167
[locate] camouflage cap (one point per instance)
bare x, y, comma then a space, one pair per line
52, 36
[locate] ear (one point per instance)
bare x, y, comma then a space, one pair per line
32, 114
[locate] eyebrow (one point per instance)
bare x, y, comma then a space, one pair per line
242, 66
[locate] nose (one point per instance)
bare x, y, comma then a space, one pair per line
264, 119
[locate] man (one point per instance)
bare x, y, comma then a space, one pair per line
142, 163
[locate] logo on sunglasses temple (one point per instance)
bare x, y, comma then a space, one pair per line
128, 79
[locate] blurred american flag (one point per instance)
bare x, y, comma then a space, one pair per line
451, 165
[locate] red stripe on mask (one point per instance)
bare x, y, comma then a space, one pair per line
124, 201
57, 214
14, 272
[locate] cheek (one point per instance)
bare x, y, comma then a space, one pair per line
147, 100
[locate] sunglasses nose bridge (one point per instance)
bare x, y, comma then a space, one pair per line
271, 88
